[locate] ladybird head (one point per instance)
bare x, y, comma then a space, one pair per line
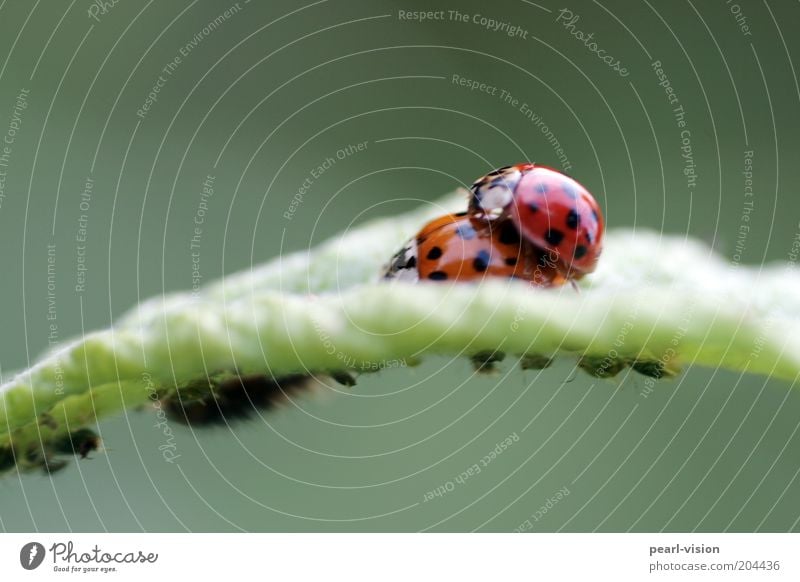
492, 195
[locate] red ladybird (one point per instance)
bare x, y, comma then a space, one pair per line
551, 210
458, 247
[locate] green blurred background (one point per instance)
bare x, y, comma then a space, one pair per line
271, 92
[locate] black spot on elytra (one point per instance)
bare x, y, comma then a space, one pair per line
465, 231
541, 188
434, 253
573, 220
481, 261
533, 207
437, 276
509, 234
511, 261
580, 252
554, 237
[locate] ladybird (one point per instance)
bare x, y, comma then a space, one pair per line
460, 247
551, 211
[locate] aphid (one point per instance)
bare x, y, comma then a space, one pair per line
535, 362
80, 443
485, 360
234, 398
652, 368
602, 367
7, 459
344, 378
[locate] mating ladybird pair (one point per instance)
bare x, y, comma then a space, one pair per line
525, 221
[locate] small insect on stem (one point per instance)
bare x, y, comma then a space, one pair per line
535, 362
79, 443
231, 399
652, 368
484, 361
344, 378
601, 367
7, 459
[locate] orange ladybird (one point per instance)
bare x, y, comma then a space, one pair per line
459, 247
